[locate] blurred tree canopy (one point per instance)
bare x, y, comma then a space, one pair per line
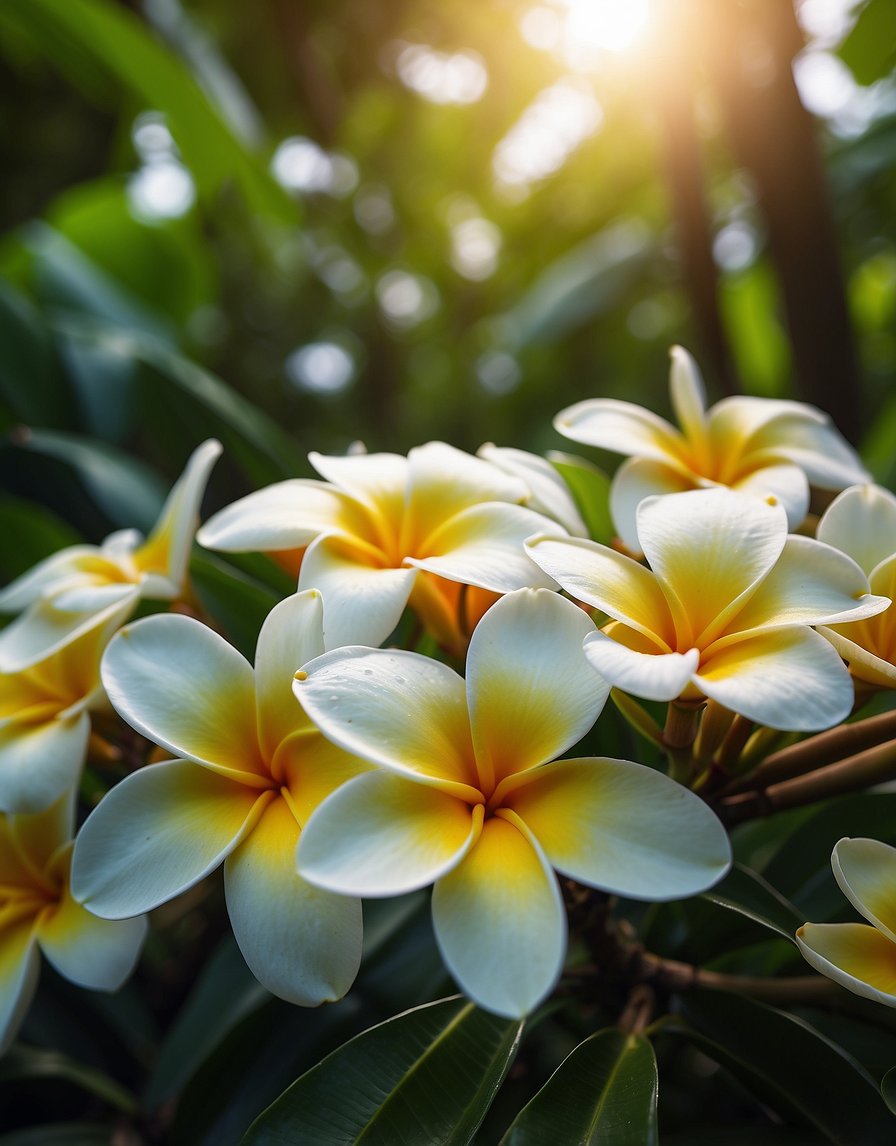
419, 220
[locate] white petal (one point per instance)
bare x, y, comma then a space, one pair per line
866, 872
42, 630
183, 686
653, 676
688, 396
863, 664
292, 634
623, 827
301, 943
363, 602
548, 492
786, 483
378, 480
709, 549
529, 688
166, 551
39, 761
47, 576
287, 515
19, 970
155, 834
384, 835
636, 479
397, 709
621, 427
817, 448
862, 522
500, 922
790, 679
483, 546
96, 953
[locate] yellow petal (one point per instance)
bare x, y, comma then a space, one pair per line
854, 955
866, 872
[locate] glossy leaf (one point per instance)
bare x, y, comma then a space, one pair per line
789, 1065
428, 1075
590, 488
745, 891
605, 1091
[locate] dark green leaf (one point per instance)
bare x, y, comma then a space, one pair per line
31, 382
869, 51
103, 379
789, 1065
61, 1134
29, 534
590, 488
747, 892
237, 601
28, 1063
428, 1075
605, 1091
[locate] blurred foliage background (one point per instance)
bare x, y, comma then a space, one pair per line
420, 220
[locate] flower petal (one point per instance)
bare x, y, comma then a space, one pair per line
302, 943
688, 396
312, 768
43, 630
397, 709
384, 835
548, 492
621, 427
863, 665
866, 872
183, 686
483, 546
709, 549
854, 955
58, 569
786, 483
19, 970
636, 479
623, 827
790, 679
40, 760
155, 834
530, 691
810, 584
286, 515
166, 552
363, 602
292, 634
92, 952
862, 522
809, 440
651, 675
601, 577
499, 921
378, 481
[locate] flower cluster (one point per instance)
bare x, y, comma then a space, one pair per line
335, 769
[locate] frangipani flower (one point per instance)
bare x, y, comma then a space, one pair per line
862, 522
383, 532
548, 492
44, 718
38, 914
464, 796
71, 591
761, 446
723, 611
251, 769
859, 957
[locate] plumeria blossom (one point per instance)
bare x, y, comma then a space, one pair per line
383, 532
548, 492
862, 522
74, 589
45, 718
859, 957
465, 796
38, 915
723, 611
761, 446
251, 767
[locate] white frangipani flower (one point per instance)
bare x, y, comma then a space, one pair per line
383, 532
466, 796
760, 446
72, 590
722, 612
39, 916
251, 768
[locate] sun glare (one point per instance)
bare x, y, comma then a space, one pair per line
579, 30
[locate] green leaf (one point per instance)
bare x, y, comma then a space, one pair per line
29, 534
745, 891
121, 46
869, 51
605, 1091
224, 994
590, 488
789, 1065
428, 1075
888, 1089
61, 1134
31, 382
24, 1063
237, 601
103, 379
